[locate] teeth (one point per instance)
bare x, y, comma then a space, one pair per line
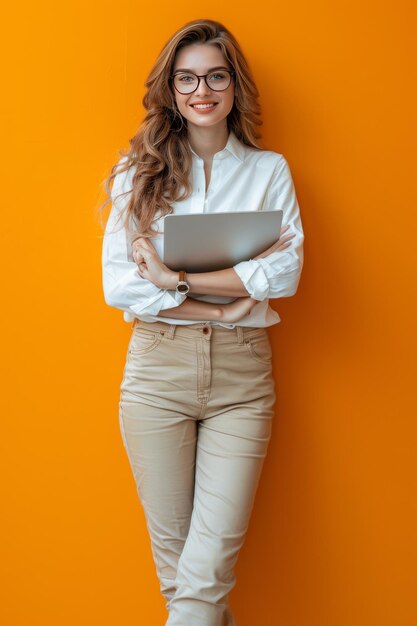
203, 106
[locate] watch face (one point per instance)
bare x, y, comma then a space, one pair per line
183, 288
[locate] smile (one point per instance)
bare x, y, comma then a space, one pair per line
202, 107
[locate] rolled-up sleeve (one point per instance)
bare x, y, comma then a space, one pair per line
123, 286
278, 274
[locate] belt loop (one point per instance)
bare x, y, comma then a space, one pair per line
170, 331
240, 334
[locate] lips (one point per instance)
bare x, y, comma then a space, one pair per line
204, 105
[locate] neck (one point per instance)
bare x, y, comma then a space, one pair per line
207, 141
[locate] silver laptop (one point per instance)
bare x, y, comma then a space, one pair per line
205, 242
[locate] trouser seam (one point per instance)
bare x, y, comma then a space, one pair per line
203, 408
203, 371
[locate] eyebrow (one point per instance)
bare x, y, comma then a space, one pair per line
220, 67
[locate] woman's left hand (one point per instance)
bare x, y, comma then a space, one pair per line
150, 265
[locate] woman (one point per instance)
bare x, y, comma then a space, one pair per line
197, 395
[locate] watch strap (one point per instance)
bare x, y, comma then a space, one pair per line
182, 285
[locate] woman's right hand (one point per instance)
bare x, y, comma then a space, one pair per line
281, 244
236, 310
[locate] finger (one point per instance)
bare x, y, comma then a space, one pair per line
136, 246
286, 238
141, 249
279, 243
276, 243
137, 256
143, 271
145, 243
136, 250
146, 253
285, 228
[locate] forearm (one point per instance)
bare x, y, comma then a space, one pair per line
231, 313
192, 309
219, 283
224, 282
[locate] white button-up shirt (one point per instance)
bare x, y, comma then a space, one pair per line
242, 179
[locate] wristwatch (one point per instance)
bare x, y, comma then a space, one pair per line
182, 285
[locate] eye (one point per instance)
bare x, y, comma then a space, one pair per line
184, 78
217, 76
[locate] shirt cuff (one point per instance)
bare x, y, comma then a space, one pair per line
252, 275
164, 299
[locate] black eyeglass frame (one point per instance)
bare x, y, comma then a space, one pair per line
231, 72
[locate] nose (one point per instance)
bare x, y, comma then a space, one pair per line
202, 89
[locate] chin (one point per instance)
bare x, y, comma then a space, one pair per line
206, 121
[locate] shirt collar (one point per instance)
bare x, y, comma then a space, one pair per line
233, 146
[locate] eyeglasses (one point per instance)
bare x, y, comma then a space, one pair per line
188, 82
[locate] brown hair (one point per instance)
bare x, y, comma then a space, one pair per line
160, 149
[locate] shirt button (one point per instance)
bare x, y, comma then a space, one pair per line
205, 330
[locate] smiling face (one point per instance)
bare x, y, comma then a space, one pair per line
202, 59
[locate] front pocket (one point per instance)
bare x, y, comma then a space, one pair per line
144, 341
259, 348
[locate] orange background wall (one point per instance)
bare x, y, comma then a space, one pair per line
332, 537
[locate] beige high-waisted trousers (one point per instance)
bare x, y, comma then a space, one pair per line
196, 412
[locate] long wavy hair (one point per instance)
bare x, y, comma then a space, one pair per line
160, 150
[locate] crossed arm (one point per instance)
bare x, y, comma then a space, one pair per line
224, 282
